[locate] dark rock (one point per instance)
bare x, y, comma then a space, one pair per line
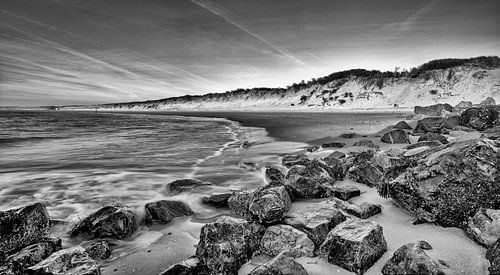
278, 238
346, 192
447, 184
366, 143
282, 264
164, 211
18, 263
108, 222
336, 155
217, 200
309, 181
240, 202
479, 118
433, 136
367, 173
402, 125
72, 260
227, 244
23, 226
274, 175
182, 185
190, 266
348, 135
292, 160
493, 255
433, 143
384, 160
246, 144
354, 245
424, 245
433, 110
363, 210
484, 227
451, 122
316, 220
333, 145
312, 149
429, 124
269, 205
395, 136
335, 167
489, 101
99, 250
411, 259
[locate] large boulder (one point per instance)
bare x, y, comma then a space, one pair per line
433, 136
165, 211
240, 202
19, 262
493, 255
316, 220
433, 110
274, 176
269, 205
23, 226
336, 155
335, 167
411, 259
367, 173
227, 244
489, 101
111, 221
292, 160
479, 118
395, 136
309, 181
346, 192
447, 184
72, 260
366, 143
402, 125
282, 264
182, 185
189, 266
217, 200
363, 210
429, 124
451, 122
484, 227
354, 245
278, 238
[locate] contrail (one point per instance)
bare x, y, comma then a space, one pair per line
315, 57
231, 19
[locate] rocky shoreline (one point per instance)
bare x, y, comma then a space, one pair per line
449, 177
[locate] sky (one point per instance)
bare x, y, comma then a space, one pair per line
58, 52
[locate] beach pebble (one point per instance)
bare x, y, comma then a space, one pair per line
281, 264
281, 237
165, 211
269, 205
217, 200
395, 136
74, 260
411, 259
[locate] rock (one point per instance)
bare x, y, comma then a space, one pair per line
366, 143
396, 136
190, 266
411, 259
336, 155
433, 136
333, 145
335, 167
484, 227
278, 238
354, 245
451, 122
23, 226
429, 124
164, 211
309, 181
312, 149
479, 118
246, 144
433, 110
282, 264
72, 260
227, 244
19, 262
493, 255
402, 125
366, 173
424, 245
447, 184
274, 176
346, 192
348, 135
487, 102
269, 205
316, 220
464, 104
292, 160
182, 185
363, 210
432, 143
240, 202
385, 159
117, 222
217, 200
99, 250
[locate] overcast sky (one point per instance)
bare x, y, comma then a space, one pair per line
56, 52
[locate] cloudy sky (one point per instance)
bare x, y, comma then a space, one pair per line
56, 52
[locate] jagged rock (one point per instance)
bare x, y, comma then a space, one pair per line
363, 210
292, 160
336, 155
164, 211
366, 173
402, 125
190, 266
117, 222
433, 136
447, 184
411, 259
346, 192
433, 110
240, 202
354, 245
269, 205
274, 175
309, 181
312, 149
278, 238
72, 260
18, 263
432, 143
348, 135
384, 160
429, 124
217, 200
99, 250
333, 145
489, 101
479, 118
484, 227
395, 136
23, 226
282, 264
336, 168
464, 104
316, 220
424, 245
182, 185
366, 143
451, 122
493, 255
227, 244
